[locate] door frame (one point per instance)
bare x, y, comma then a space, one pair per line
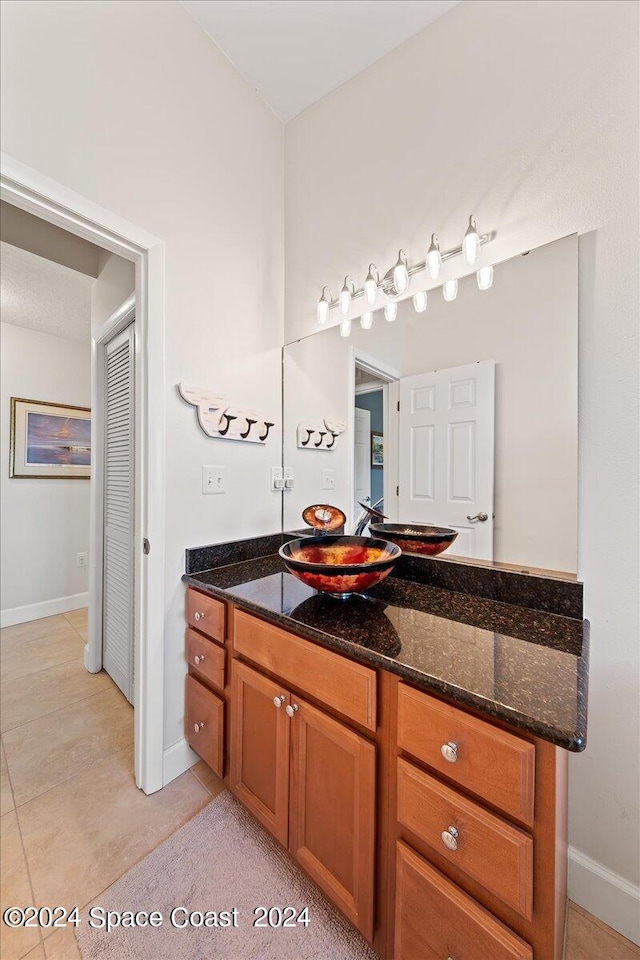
389, 376
34, 192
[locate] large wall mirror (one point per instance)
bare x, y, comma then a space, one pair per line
463, 415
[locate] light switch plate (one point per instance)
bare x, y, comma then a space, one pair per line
213, 480
277, 479
328, 479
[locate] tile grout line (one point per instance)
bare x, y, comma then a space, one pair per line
23, 676
24, 850
49, 713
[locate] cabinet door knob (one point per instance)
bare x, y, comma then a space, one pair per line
449, 751
199, 658
198, 727
278, 701
450, 838
291, 709
198, 615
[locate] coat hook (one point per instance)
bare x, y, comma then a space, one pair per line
228, 418
333, 440
246, 432
322, 433
266, 433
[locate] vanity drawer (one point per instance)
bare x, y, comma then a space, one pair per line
434, 919
206, 658
204, 724
495, 765
487, 848
206, 614
335, 681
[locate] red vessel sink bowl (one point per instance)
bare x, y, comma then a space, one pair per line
416, 537
340, 565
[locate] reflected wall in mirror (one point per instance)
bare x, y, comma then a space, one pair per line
472, 403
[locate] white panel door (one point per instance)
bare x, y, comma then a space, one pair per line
446, 449
118, 595
362, 461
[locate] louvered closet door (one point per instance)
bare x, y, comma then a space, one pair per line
118, 621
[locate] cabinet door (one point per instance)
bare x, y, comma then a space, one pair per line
260, 732
332, 829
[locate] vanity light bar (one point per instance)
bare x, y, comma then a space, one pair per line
386, 283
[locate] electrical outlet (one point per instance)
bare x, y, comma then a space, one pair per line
213, 480
81, 559
328, 479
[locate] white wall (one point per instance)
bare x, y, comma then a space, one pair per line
526, 114
45, 523
115, 283
131, 105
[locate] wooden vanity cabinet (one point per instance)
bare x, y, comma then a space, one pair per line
360, 776
310, 780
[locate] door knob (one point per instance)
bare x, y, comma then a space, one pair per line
291, 709
278, 701
198, 616
450, 838
197, 727
449, 751
479, 516
198, 658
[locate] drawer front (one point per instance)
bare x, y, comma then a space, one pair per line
206, 614
206, 658
204, 724
487, 848
497, 766
335, 681
434, 919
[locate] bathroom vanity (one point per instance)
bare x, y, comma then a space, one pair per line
408, 748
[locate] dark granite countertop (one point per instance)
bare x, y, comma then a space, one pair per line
525, 667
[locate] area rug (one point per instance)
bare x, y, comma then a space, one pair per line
220, 860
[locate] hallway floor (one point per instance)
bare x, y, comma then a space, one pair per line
73, 820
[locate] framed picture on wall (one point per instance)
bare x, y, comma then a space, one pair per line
377, 449
50, 441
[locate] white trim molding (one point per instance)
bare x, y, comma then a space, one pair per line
177, 758
605, 894
47, 608
33, 191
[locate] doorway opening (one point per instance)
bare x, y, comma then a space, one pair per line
117, 446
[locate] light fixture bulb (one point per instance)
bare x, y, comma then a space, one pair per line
371, 285
471, 243
366, 320
484, 276
324, 304
345, 328
345, 295
420, 301
450, 290
401, 273
391, 312
433, 258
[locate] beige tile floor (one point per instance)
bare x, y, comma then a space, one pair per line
72, 820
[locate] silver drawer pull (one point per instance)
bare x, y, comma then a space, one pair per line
198, 727
291, 709
450, 838
199, 658
278, 701
449, 751
198, 615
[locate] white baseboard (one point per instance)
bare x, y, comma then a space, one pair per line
176, 759
48, 608
605, 894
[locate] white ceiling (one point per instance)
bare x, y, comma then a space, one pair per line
293, 52
43, 295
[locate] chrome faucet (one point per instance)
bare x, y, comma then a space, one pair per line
368, 514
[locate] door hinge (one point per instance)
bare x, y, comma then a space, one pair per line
146, 547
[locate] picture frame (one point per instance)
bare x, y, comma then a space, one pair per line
49, 441
377, 449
